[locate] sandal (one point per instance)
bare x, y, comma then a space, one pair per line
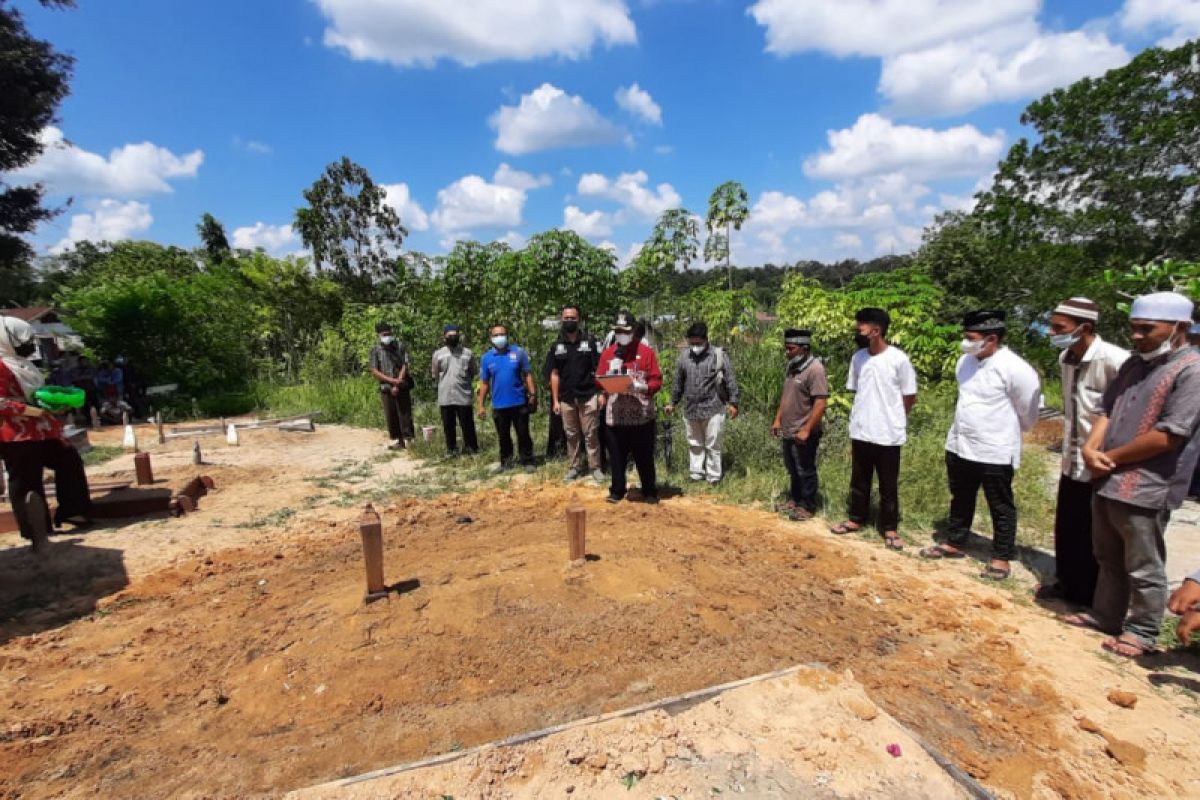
893, 542
1128, 646
846, 527
800, 514
995, 573
1081, 620
939, 551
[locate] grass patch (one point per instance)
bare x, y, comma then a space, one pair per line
101, 454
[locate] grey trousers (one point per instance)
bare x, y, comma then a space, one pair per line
1131, 590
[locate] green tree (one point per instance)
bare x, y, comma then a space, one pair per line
671, 247
212, 237
350, 228
34, 78
728, 210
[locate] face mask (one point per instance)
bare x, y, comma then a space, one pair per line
862, 341
570, 325
971, 348
25, 350
452, 341
624, 338
1157, 352
386, 340
698, 349
1064, 340
500, 342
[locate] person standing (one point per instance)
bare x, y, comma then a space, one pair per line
999, 396
885, 389
704, 379
1141, 453
1088, 365
32, 440
389, 363
798, 422
574, 395
505, 374
453, 371
631, 415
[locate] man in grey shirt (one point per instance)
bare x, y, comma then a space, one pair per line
454, 369
704, 379
389, 363
1141, 452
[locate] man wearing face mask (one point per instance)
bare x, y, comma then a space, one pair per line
631, 415
31, 440
1088, 365
885, 389
389, 363
999, 397
575, 357
504, 372
798, 422
453, 371
1141, 453
704, 379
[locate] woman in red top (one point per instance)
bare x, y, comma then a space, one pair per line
32, 440
631, 416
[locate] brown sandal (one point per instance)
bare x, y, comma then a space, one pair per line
1127, 646
845, 528
893, 542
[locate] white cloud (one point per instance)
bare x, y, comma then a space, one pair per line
879, 27
472, 202
664, 149
1178, 19
875, 145
549, 118
847, 241
130, 170
253, 146
961, 75
110, 221
515, 178
630, 190
513, 239
588, 225
411, 214
275, 239
637, 101
898, 241
419, 32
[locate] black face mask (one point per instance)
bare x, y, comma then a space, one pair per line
862, 340
25, 350
570, 325
452, 341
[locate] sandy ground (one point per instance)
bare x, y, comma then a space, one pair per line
228, 653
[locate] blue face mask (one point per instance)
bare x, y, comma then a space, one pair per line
500, 342
1064, 340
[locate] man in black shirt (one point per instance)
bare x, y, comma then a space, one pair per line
574, 395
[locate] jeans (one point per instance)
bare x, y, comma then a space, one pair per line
581, 422
636, 442
506, 419
24, 462
1074, 564
965, 478
397, 410
1131, 590
875, 459
704, 447
462, 416
801, 462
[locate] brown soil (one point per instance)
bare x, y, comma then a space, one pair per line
252, 666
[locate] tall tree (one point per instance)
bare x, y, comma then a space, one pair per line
33, 81
350, 228
728, 210
212, 237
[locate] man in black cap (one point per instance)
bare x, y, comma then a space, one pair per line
704, 378
999, 396
574, 397
798, 421
389, 363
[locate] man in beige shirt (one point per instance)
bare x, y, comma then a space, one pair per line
1088, 365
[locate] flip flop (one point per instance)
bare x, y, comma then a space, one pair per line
845, 528
940, 551
893, 542
995, 573
1081, 620
1128, 647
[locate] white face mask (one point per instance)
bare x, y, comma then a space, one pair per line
1157, 352
387, 339
699, 348
971, 348
1064, 340
500, 342
624, 338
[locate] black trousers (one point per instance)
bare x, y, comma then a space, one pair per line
966, 478
24, 463
867, 460
397, 410
556, 441
801, 462
1074, 563
636, 442
506, 419
459, 417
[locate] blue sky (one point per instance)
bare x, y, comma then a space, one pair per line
851, 123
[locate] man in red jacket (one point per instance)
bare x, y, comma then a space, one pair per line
631, 414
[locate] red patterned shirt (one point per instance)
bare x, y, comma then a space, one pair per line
14, 426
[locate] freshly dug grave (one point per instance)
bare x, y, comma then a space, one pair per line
260, 670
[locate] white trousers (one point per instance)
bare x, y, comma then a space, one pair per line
704, 447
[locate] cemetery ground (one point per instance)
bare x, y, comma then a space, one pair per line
228, 652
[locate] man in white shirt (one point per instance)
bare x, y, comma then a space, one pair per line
885, 389
999, 396
1088, 365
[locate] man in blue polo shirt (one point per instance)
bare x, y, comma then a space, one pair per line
504, 373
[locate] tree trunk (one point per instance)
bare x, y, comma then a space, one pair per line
729, 255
